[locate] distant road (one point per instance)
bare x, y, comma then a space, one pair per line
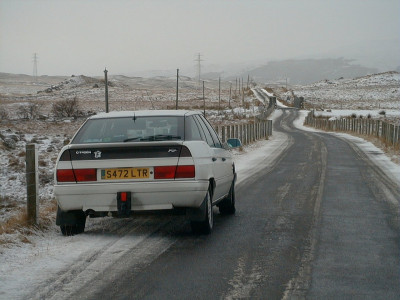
321, 223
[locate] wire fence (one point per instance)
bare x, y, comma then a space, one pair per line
247, 133
387, 132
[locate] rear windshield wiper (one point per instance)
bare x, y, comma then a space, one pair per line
133, 139
158, 137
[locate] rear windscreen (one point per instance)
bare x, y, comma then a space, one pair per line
130, 129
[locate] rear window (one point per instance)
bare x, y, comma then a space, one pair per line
130, 129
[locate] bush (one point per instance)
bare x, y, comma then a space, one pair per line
30, 111
66, 108
382, 112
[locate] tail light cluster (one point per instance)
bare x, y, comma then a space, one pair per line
174, 172
78, 175
160, 172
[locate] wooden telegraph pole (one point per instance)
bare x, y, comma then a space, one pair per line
204, 102
219, 95
177, 86
106, 88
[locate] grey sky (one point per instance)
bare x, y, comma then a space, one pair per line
82, 37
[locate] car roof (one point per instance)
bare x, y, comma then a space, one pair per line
144, 113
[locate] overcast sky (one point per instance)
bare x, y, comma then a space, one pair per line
83, 37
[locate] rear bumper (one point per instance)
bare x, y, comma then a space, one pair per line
145, 196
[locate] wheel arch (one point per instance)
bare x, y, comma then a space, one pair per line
212, 187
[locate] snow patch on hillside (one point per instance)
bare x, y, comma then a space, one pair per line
378, 91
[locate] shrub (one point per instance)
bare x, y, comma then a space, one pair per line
30, 111
382, 112
66, 108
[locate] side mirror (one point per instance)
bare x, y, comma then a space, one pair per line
233, 143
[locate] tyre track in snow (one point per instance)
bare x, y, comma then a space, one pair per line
120, 239
285, 251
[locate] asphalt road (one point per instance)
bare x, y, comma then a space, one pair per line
321, 223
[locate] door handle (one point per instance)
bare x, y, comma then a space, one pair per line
214, 159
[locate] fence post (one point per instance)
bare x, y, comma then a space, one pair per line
246, 132
32, 186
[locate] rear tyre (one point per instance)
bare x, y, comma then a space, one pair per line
227, 206
205, 226
71, 222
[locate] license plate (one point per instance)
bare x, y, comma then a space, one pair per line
125, 173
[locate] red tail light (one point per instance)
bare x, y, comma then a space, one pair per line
85, 175
171, 172
65, 175
77, 175
165, 172
185, 172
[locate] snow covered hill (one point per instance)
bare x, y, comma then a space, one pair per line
377, 91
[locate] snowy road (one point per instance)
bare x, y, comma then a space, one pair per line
316, 217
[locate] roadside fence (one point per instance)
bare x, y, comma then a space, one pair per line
247, 133
388, 133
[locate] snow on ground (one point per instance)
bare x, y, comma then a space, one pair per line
48, 252
45, 252
248, 162
377, 91
374, 153
360, 113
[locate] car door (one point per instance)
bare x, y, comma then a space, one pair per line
222, 160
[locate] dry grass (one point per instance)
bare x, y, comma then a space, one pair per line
15, 163
18, 223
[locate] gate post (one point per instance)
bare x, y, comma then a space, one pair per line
32, 183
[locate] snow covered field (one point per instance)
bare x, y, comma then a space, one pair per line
24, 251
372, 92
50, 134
126, 93
46, 253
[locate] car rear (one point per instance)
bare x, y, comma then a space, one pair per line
121, 158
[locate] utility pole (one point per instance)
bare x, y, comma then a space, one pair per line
230, 94
204, 102
35, 59
236, 88
242, 94
248, 80
219, 95
177, 81
106, 88
199, 60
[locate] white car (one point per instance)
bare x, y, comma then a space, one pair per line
121, 162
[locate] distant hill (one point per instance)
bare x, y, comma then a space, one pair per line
308, 70
376, 91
